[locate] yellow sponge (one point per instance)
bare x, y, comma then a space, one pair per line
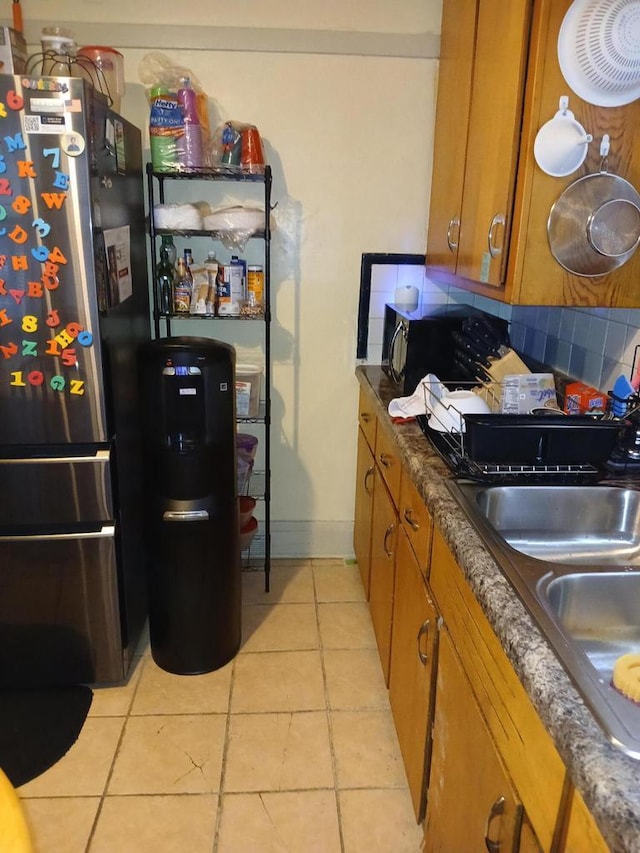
626, 675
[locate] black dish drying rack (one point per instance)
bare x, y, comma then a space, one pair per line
550, 449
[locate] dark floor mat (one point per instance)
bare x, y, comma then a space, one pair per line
37, 727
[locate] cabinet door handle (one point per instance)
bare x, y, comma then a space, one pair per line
368, 474
496, 810
388, 532
408, 517
365, 417
385, 460
451, 243
498, 220
423, 631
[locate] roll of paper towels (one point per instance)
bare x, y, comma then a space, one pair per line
407, 297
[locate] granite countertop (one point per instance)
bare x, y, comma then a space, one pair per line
608, 780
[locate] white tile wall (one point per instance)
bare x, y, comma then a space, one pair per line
594, 345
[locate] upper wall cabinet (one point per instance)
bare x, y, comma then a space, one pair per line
500, 82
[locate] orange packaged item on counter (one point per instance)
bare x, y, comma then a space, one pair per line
582, 399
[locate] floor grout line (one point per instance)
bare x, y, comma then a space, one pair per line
334, 766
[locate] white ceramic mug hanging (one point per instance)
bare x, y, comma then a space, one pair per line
561, 143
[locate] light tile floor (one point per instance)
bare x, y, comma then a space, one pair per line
290, 748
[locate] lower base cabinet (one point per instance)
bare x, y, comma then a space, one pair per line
472, 803
479, 761
580, 831
365, 478
413, 667
384, 533
521, 739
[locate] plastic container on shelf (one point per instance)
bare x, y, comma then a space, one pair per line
248, 386
244, 468
247, 506
107, 75
246, 445
247, 533
58, 51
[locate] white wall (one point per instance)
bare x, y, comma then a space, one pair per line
343, 94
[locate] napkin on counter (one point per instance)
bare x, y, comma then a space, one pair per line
416, 403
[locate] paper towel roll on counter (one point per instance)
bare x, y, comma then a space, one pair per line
407, 297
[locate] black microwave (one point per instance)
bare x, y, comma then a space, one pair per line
415, 343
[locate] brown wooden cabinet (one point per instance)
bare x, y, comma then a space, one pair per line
384, 535
499, 82
513, 722
493, 138
484, 740
363, 514
367, 420
365, 477
581, 832
484, 45
416, 522
457, 43
473, 804
413, 667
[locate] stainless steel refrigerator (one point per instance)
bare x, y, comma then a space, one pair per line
74, 310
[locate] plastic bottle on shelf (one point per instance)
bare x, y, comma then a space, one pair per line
255, 290
211, 266
182, 289
239, 278
165, 279
200, 294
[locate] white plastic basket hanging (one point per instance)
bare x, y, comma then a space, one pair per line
599, 51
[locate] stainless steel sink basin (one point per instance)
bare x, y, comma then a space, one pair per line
573, 555
600, 611
584, 525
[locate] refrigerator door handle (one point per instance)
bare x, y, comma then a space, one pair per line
98, 456
186, 515
105, 532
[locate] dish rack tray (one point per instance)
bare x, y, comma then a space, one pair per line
502, 449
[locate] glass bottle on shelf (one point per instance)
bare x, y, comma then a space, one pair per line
167, 240
183, 288
165, 272
211, 265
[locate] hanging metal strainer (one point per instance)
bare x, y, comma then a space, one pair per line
599, 51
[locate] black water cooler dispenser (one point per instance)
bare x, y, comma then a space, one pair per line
192, 523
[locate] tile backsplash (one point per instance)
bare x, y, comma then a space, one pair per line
594, 345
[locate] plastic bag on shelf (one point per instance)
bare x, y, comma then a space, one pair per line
238, 146
184, 216
178, 119
235, 224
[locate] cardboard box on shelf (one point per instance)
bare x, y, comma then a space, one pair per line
13, 51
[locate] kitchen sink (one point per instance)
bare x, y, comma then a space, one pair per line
584, 525
600, 611
572, 553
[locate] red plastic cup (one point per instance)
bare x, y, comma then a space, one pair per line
252, 154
